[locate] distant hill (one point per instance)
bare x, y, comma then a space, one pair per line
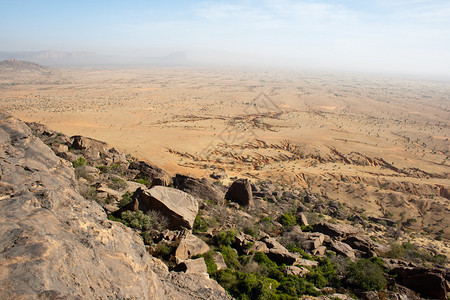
13, 65
51, 57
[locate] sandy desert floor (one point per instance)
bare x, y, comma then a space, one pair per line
378, 144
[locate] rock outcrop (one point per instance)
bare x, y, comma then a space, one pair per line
240, 192
54, 244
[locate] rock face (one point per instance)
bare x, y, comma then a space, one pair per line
430, 283
190, 246
200, 188
54, 244
240, 192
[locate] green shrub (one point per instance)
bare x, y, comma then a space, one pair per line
252, 231
323, 274
200, 224
287, 219
230, 256
81, 161
307, 228
225, 238
126, 198
209, 261
146, 238
136, 219
162, 250
366, 275
144, 181
88, 192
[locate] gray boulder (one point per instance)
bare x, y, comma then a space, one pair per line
179, 207
240, 192
189, 247
335, 230
342, 249
200, 188
192, 266
152, 173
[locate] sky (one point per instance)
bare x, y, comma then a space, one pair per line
391, 36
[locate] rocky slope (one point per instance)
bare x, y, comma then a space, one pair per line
55, 244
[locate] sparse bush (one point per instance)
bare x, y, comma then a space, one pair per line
88, 192
79, 162
158, 220
162, 250
252, 231
117, 183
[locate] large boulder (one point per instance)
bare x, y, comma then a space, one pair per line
92, 148
277, 252
335, 230
240, 192
179, 207
200, 188
342, 249
195, 266
361, 243
57, 245
189, 247
152, 173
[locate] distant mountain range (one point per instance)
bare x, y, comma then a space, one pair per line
51, 57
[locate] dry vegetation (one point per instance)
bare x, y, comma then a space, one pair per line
380, 145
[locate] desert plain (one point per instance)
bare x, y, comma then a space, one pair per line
377, 144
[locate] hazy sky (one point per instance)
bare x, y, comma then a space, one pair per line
380, 35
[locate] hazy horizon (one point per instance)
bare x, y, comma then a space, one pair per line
397, 36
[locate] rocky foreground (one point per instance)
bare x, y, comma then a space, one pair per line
55, 244
59, 241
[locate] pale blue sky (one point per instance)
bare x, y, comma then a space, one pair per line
380, 35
